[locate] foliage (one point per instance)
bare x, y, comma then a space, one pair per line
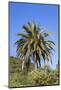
34, 44
18, 78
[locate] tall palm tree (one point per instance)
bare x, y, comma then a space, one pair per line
34, 45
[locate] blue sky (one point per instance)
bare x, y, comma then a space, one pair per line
45, 15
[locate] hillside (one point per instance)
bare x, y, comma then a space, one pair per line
17, 78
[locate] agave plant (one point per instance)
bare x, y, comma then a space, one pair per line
34, 45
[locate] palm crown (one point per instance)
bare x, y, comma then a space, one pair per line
33, 44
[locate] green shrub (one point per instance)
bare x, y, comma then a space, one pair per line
31, 78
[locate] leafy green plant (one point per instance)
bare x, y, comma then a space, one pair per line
34, 44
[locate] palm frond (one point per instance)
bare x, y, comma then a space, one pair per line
51, 42
23, 35
20, 41
27, 29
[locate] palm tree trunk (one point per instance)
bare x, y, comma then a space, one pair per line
40, 64
36, 66
22, 65
46, 62
46, 66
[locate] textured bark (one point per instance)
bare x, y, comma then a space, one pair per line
22, 65
35, 62
46, 66
36, 66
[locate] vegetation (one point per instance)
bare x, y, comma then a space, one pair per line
33, 46
18, 78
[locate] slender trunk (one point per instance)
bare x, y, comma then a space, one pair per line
22, 65
46, 66
46, 62
36, 66
40, 64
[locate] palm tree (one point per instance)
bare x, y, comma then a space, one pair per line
33, 45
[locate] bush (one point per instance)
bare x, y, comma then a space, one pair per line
33, 78
40, 77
